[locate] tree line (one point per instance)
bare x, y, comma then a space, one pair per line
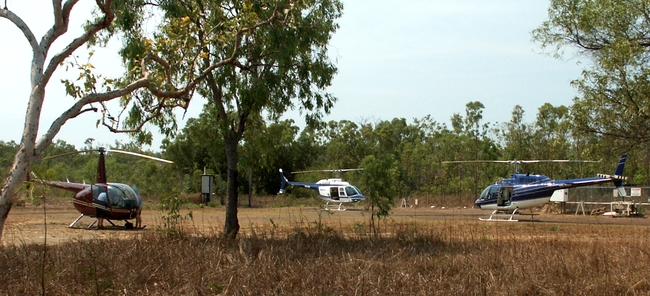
415, 151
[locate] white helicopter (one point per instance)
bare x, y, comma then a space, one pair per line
526, 191
332, 190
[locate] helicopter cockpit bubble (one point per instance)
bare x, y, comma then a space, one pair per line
135, 189
119, 195
489, 193
352, 190
123, 195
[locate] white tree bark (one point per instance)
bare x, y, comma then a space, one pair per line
42, 70
30, 148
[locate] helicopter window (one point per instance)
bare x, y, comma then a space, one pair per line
117, 196
484, 194
102, 197
489, 193
97, 193
351, 190
121, 195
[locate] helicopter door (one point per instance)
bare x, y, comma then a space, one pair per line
503, 198
334, 193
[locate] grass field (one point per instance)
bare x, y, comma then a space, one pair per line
305, 251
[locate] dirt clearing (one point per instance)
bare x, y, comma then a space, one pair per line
26, 225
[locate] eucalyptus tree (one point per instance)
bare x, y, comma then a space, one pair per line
377, 179
613, 36
265, 149
433, 174
516, 136
91, 90
553, 132
472, 142
279, 62
197, 147
308, 149
398, 138
347, 144
552, 138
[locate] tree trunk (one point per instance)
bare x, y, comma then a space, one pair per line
250, 187
5, 207
222, 201
232, 223
13, 181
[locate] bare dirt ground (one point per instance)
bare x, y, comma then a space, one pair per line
33, 224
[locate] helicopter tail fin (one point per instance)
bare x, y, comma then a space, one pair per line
621, 165
283, 181
619, 174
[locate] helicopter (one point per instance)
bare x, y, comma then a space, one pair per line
333, 190
525, 191
103, 200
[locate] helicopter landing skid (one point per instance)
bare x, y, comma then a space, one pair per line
91, 224
95, 221
502, 216
79, 218
76, 220
340, 208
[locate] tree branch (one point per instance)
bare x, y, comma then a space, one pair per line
76, 109
21, 25
56, 31
182, 93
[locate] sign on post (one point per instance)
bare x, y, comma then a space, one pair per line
207, 182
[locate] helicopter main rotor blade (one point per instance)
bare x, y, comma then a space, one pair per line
321, 171
67, 154
519, 161
349, 170
557, 160
516, 163
109, 150
139, 155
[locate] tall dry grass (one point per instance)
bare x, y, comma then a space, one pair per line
433, 258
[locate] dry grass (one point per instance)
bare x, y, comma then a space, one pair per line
419, 258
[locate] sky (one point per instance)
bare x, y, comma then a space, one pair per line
428, 57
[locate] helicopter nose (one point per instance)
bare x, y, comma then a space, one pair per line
477, 204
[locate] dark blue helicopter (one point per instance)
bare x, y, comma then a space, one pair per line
332, 190
523, 191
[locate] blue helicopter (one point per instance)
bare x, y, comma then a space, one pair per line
332, 190
525, 191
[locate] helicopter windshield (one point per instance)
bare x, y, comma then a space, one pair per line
122, 195
119, 195
352, 190
489, 193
